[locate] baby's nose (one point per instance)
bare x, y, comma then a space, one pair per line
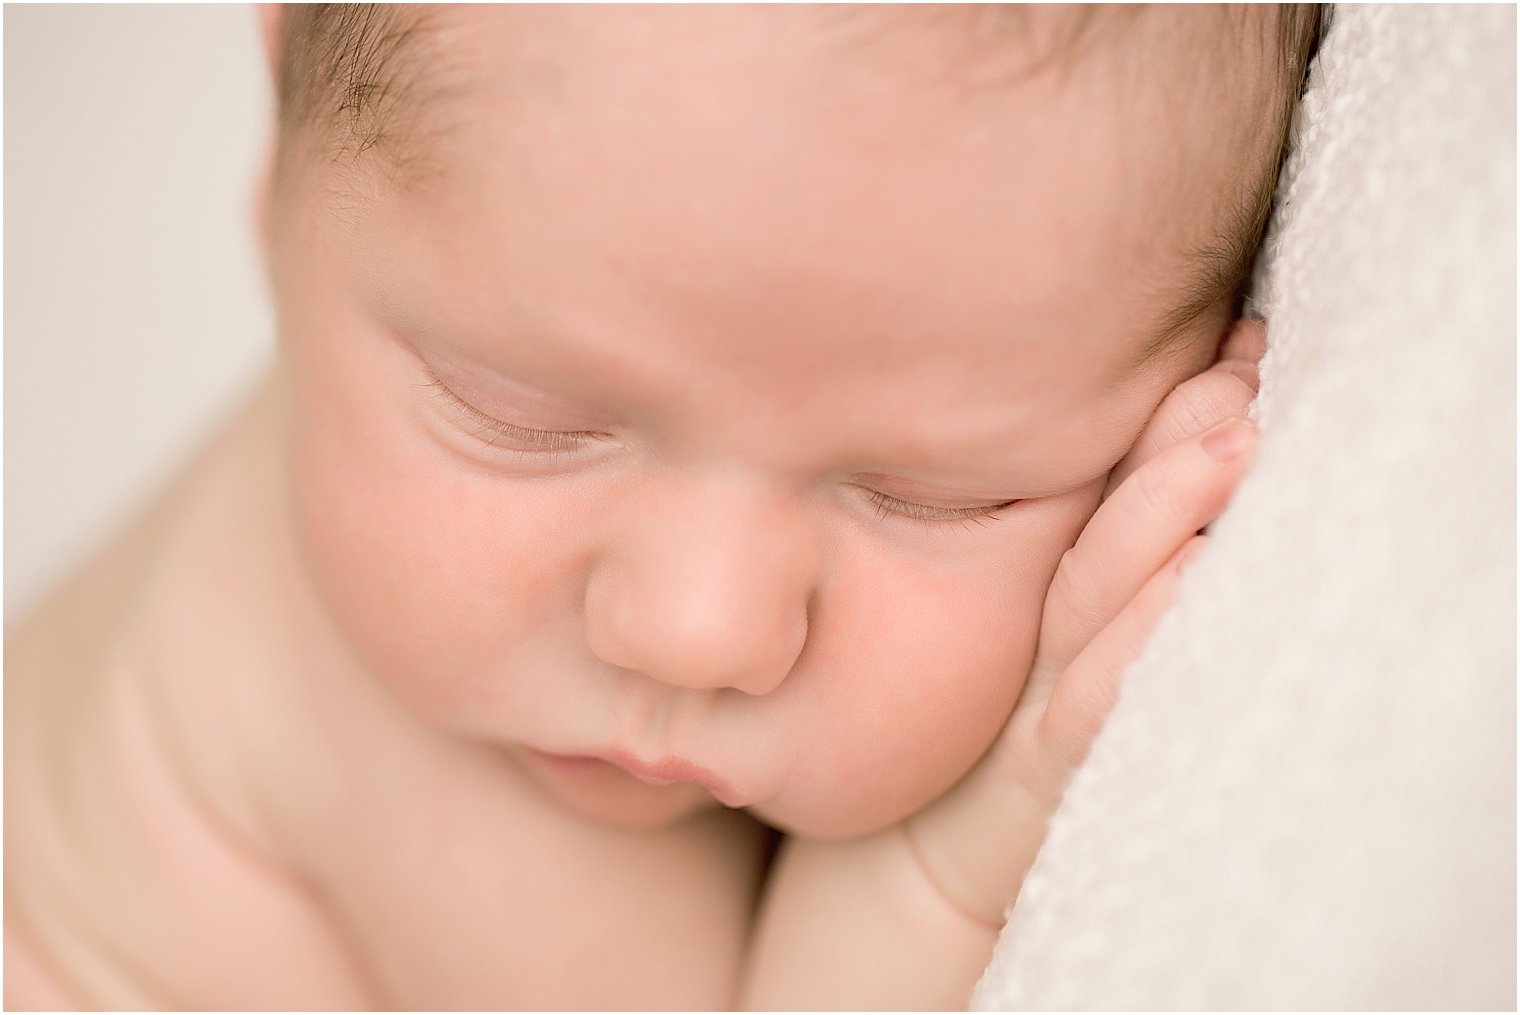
704, 588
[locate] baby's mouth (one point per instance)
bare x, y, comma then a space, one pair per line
670, 771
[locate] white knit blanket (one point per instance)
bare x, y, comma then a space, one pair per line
1306, 796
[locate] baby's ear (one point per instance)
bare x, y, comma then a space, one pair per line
262, 196
1246, 340
271, 21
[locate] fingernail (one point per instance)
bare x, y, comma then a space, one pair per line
1246, 371
1230, 439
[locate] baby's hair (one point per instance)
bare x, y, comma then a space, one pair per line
355, 79
1223, 267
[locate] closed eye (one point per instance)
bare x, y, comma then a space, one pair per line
499, 433
979, 514
512, 438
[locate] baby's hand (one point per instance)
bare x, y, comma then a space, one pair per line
977, 841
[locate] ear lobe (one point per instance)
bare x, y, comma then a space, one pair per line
271, 26
272, 22
262, 197
1247, 340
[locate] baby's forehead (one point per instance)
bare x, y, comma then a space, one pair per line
379, 72
420, 87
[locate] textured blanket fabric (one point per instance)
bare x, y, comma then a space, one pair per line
1306, 795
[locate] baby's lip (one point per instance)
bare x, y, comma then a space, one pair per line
667, 771
671, 770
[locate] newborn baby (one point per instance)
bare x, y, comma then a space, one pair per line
718, 463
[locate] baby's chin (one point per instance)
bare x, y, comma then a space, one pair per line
648, 815
845, 819
642, 808
639, 816
611, 797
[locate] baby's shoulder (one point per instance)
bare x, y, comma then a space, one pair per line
139, 872
126, 881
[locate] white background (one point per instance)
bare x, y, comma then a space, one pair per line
134, 304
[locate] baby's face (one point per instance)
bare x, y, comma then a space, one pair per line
730, 398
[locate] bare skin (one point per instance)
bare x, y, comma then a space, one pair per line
213, 802
174, 821
160, 814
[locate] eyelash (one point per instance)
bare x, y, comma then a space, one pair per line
539, 442
931, 516
566, 441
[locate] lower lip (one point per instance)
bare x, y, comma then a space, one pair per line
570, 762
670, 774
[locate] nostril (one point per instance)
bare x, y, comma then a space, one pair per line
696, 648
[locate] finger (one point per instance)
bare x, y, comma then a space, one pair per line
1133, 533
1202, 400
1247, 341
1086, 692
1198, 403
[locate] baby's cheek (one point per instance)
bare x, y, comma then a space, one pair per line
436, 575
916, 666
